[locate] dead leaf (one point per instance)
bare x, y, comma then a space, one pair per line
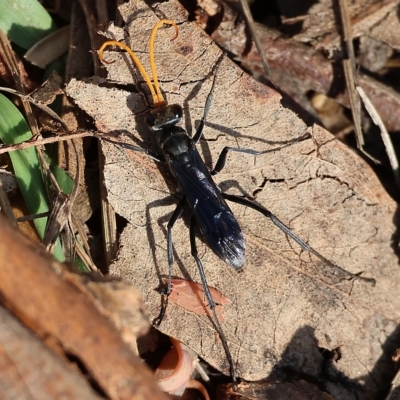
49, 48
285, 305
49, 90
191, 296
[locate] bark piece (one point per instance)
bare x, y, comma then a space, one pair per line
321, 28
29, 370
54, 303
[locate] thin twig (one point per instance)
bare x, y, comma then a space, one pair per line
35, 142
32, 217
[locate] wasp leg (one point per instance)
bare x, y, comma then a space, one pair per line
175, 216
154, 156
211, 301
224, 154
340, 272
199, 132
170, 251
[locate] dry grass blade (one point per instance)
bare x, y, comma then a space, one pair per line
61, 215
349, 66
384, 134
254, 33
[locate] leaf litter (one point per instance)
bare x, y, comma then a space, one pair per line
324, 192
191, 296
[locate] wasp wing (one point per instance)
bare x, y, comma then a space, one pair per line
218, 225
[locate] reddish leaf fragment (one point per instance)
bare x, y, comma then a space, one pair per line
191, 297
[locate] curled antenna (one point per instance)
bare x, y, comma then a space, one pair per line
158, 99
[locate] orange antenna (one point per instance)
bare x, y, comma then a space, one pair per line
158, 98
151, 54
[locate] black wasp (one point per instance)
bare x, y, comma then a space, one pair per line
210, 212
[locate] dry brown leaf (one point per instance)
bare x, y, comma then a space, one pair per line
283, 306
49, 48
49, 89
191, 296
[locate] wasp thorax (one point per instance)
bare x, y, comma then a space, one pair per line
164, 116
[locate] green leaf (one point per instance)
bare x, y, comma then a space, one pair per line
14, 129
64, 180
25, 21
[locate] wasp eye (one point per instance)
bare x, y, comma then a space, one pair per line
150, 120
177, 111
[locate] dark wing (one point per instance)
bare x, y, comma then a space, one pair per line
220, 229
